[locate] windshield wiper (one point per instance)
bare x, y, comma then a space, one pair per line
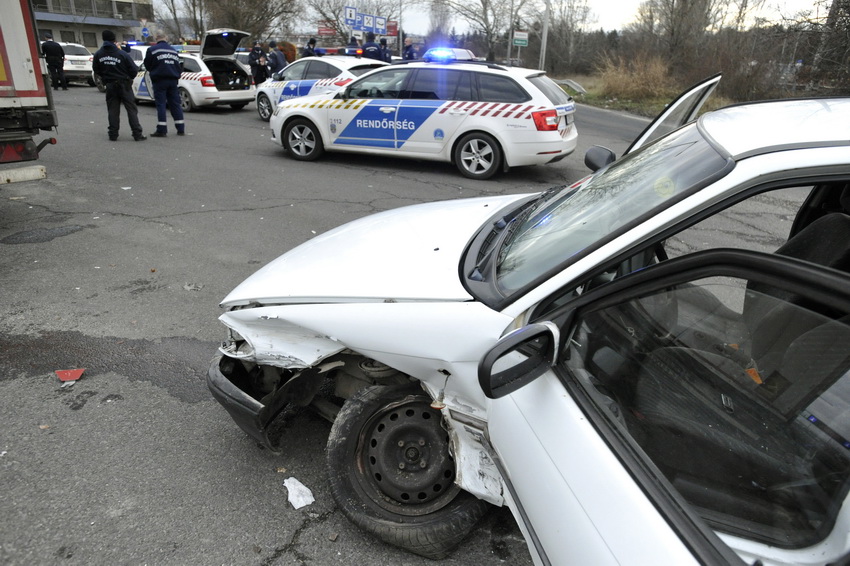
511, 222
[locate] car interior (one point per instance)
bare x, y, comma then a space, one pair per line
735, 388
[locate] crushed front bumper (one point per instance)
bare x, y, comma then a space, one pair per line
251, 415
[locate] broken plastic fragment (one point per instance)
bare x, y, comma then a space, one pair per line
69, 374
299, 495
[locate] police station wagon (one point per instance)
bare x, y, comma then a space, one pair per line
310, 75
482, 117
211, 77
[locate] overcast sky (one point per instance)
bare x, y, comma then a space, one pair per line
611, 14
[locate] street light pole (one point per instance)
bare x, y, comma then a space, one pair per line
545, 35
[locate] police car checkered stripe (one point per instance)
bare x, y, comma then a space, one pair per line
192, 76
496, 109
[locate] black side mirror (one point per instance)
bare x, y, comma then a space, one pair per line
598, 157
518, 359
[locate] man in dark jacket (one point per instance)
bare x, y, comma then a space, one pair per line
257, 66
54, 56
386, 54
117, 69
277, 60
372, 50
309, 49
164, 65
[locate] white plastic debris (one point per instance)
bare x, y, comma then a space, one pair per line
299, 495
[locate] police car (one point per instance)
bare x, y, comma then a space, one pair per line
210, 77
310, 75
482, 117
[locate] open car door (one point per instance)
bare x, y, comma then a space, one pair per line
694, 412
678, 113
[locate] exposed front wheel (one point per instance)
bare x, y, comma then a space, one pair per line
302, 140
478, 156
264, 107
186, 100
392, 475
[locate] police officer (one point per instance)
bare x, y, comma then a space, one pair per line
386, 54
372, 50
54, 56
310, 48
164, 65
277, 60
117, 69
409, 53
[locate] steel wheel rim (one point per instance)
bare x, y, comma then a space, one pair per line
403, 461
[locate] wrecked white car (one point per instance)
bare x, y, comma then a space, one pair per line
595, 356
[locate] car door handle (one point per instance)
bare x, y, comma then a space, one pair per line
387, 109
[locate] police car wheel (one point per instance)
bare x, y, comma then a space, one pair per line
478, 156
264, 107
186, 100
302, 140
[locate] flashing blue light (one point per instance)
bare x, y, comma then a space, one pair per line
439, 55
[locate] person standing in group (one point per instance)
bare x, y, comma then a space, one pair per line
277, 60
164, 65
117, 69
372, 50
386, 54
54, 56
409, 53
310, 48
254, 60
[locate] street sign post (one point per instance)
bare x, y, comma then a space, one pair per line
521, 38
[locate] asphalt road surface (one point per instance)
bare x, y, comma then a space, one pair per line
116, 263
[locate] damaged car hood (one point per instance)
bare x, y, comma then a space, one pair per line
406, 254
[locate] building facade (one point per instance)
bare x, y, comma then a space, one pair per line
81, 21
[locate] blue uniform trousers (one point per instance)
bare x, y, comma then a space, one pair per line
120, 93
166, 96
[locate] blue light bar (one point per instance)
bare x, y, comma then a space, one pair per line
439, 55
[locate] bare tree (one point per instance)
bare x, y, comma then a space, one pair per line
332, 12
255, 17
491, 18
171, 22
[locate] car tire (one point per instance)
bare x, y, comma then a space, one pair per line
186, 102
90, 81
239, 106
478, 156
302, 140
264, 107
392, 475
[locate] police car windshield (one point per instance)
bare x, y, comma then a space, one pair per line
606, 205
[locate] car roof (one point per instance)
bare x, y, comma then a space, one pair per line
762, 127
478, 66
343, 61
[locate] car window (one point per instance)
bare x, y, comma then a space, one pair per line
579, 219
550, 89
190, 65
294, 72
495, 88
737, 390
360, 69
75, 50
320, 70
385, 84
440, 84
